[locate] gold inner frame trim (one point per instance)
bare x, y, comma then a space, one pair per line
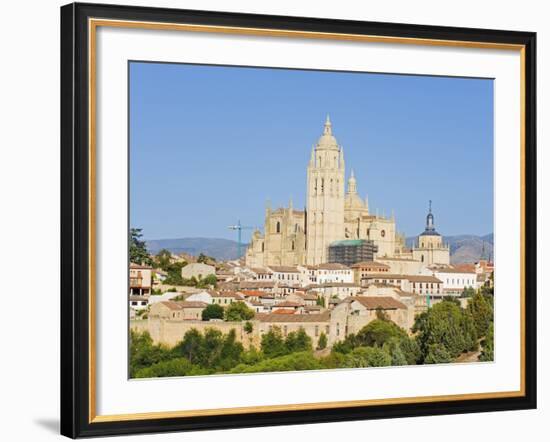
93, 24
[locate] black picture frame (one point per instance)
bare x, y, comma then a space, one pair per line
75, 220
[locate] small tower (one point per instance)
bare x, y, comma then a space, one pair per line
430, 249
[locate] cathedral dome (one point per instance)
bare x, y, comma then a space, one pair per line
327, 140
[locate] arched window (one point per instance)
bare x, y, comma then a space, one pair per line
322, 186
263, 245
278, 227
422, 258
315, 189
295, 227
292, 245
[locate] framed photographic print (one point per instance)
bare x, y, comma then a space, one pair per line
274, 220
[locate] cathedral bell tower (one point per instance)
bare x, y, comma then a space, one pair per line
325, 196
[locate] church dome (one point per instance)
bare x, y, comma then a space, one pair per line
327, 140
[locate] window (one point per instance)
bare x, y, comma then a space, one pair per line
262, 247
278, 229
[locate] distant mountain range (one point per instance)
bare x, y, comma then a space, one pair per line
464, 248
218, 248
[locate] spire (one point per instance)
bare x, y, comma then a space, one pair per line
430, 219
328, 126
341, 162
352, 184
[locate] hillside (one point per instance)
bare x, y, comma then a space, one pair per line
218, 248
464, 248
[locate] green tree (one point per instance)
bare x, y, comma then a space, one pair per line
205, 259
138, 248
437, 354
248, 327
482, 313
212, 311
468, 292
367, 357
298, 341
322, 343
487, 345
207, 281
290, 362
273, 343
143, 353
238, 311
162, 259
443, 324
378, 332
171, 367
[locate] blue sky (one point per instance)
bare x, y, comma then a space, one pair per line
210, 144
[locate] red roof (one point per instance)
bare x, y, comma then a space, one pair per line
283, 311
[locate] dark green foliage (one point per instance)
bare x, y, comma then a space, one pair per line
481, 309
213, 350
468, 292
451, 299
290, 362
205, 259
487, 352
138, 248
174, 273
143, 353
273, 343
162, 259
248, 327
207, 282
172, 367
378, 332
298, 341
367, 357
322, 342
446, 325
212, 311
238, 311
411, 350
437, 354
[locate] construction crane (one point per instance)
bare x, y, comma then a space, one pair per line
239, 228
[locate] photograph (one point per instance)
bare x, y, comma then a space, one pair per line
296, 219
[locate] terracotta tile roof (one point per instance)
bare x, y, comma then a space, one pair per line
193, 304
256, 284
172, 305
308, 317
283, 311
252, 292
374, 302
466, 268
288, 304
179, 305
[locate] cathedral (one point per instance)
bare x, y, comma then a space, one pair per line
333, 212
